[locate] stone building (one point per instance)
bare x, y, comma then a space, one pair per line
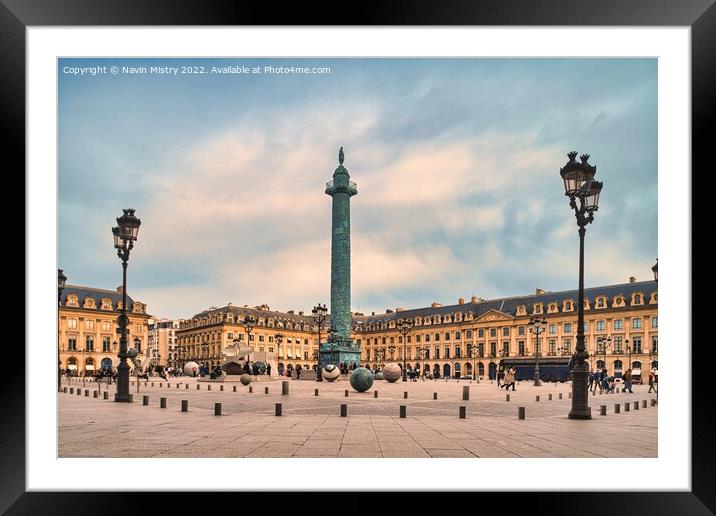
626, 313
88, 338
162, 348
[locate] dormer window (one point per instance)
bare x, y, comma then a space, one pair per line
618, 301
89, 303
537, 308
522, 310
601, 302
106, 304
653, 299
552, 308
568, 306
637, 299
587, 306
418, 321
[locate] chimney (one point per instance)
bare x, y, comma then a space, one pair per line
632, 279
388, 311
290, 312
399, 309
372, 313
474, 299
119, 289
436, 305
300, 313
539, 291
461, 301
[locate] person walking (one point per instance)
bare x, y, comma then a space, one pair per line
500, 378
591, 380
652, 382
510, 379
298, 372
627, 381
268, 369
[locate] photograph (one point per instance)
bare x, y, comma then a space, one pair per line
358, 257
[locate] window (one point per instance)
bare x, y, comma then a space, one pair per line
493, 332
457, 352
552, 329
72, 343
654, 322
567, 346
383, 340
506, 331
392, 340
358, 341
654, 344
636, 323
618, 344
261, 338
89, 324
618, 324
458, 335
105, 344
568, 306
447, 352
72, 324
493, 349
521, 347
480, 333
427, 337
568, 327
600, 325
468, 334
481, 349
437, 337
437, 353
417, 338
585, 326
636, 344
552, 347
521, 330
105, 326
400, 340
89, 343
506, 348
305, 355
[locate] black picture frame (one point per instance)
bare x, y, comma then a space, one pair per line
700, 15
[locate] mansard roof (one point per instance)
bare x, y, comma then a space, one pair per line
95, 293
509, 305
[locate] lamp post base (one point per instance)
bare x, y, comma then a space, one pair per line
580, 405
127, 398
581, 414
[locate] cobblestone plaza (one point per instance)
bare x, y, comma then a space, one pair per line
312, 426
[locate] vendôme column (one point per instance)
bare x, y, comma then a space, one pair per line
340, 347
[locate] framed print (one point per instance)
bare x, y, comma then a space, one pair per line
347, 246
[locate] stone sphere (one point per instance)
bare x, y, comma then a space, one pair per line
361, 379
331, 373
232, 368
379, 376
189, 369
260, 366
245, 379
392, 372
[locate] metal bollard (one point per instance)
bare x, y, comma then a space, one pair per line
315, 392
251, 389
520, 412
72, 390
549, 398
284, 388
177, 386
636, 405
402, 410
507, 397
208, 387
131, 398
569, 395
466, 393
152, 384
435, 395
162, 403
87, 393
79, 391
185, 405
617, 408
64, 390
106, 395
461, 413
375, 394
96, 394
265, 390
221, 387
405, 395
187, 385
344, 410
346, 393
278, 409
234, 388
145, 400
626, 407
161, 384
602, 410
560, 395
653, 402
643, 404
217, 409
198, 386
536, 398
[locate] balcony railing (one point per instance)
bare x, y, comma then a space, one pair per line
351, 185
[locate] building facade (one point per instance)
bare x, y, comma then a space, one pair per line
88, 329
449, 341
162, 348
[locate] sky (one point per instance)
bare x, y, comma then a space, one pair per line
456, 161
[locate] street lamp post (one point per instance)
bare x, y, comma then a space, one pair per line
61, 280
605, 343
391, 349
279, 339
423, 354
536, 327
124, 237
249, 322
628, 348
655, 270
320, 314
473, 355
404, 326
583, 193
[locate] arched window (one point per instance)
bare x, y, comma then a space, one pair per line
600, 364
446, 371
480, 369
636, 364
618, 366
637, 299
